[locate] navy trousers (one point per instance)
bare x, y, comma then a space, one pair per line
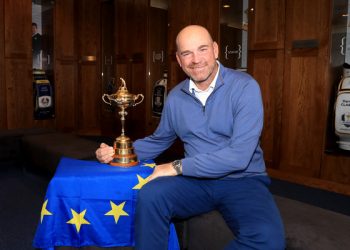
246, 205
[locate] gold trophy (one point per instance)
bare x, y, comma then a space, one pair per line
124, 155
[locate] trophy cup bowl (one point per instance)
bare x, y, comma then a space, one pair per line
124, 155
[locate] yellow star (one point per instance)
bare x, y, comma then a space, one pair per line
141, 182
117, 211
44, 211
78, 219
151, 165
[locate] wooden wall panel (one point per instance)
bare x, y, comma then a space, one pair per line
266, 24
208, 15
267, 69
18, 64
88, 28
336, 168
140, 28
3, 110
306, 87
123, 28
65, 30
89, 80
303, 125
158, 37
19, 93
65, 66
137, 114
307, 20
89, 99
18, 23
131, 27
108, 113
138, 56
66, 94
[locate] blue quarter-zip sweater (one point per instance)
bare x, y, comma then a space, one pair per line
221, 139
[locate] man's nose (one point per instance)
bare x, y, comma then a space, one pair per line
195, 58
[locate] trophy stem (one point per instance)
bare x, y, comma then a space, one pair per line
122, 114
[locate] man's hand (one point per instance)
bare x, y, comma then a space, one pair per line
162, 170
104, 153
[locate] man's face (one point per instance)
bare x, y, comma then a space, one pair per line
33, 29
197, 55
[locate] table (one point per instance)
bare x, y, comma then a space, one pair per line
88, 203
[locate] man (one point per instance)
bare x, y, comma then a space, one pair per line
36, 46
218, 115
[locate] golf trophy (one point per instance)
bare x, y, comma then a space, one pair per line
124, 155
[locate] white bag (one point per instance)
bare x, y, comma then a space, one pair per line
342, 111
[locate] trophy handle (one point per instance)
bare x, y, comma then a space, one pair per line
109, 100
137, 97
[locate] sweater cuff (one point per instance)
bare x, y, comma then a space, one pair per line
187, 166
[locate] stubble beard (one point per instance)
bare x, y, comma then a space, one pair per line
210, 73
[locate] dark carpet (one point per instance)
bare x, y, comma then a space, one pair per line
324, 199
21, 197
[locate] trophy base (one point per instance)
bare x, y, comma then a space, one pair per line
124, 153
116, 163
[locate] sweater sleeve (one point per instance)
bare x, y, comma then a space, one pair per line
163, 137
242, 149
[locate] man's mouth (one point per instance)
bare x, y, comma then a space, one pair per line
197, 67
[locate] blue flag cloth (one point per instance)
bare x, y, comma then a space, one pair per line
88, 203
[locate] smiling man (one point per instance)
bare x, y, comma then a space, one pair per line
218, 114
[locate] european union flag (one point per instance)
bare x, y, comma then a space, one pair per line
92, 204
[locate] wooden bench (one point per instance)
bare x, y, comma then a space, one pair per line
11, 145
44, 151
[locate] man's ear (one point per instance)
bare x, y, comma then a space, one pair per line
216, 50
178, 59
